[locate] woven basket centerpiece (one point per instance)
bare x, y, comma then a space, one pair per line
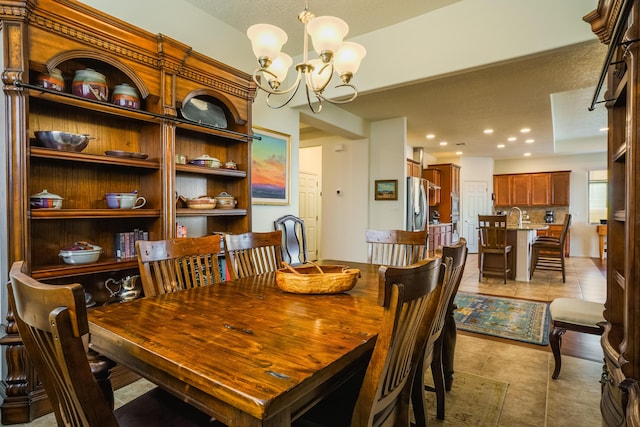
316, 279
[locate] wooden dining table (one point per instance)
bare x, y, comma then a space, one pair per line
245, 351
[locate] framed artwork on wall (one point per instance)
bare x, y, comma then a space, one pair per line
386, 189
270, 158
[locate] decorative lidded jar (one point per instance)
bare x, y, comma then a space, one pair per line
125, 95
52, 80
90, 84
44, 200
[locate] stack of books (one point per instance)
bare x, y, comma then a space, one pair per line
124, 245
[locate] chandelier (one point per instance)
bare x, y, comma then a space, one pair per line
326, 34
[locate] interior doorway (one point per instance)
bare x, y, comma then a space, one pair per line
309, 202
475, 202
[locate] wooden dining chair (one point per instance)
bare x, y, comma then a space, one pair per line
52, 321
250, 254
175, 264
396, 247
547, 252
410, 298
436, 356
493, 241
294, 239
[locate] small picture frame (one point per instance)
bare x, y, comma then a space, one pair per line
386, 189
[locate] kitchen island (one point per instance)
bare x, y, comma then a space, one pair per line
525, 234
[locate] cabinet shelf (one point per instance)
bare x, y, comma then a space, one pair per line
210, 212
69, 270
100, 106
47, 153
116, 110
93, 213
202, 170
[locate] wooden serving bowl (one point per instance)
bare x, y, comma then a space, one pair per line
317, 279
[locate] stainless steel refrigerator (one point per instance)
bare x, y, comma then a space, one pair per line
417, 203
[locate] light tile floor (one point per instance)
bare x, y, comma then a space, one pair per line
533, 398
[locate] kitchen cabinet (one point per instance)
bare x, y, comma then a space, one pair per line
621, 338
540, 189
532, 189
414, 168
521, 190
555, 230
502, 185
439, 235
433, 176
449, 207
132, 150
559, 188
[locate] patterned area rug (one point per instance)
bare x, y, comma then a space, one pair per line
473, 401
514, 319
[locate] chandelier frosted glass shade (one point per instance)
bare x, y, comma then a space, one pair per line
266, 40
327, 34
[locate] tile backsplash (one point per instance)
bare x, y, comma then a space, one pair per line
536, 214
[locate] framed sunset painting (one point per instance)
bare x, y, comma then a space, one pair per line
270, 167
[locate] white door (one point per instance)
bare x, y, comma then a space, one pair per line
309, 202
476, 202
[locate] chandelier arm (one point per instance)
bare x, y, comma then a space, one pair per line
323, 86
278, 93
267, 89
343, 101
318, 96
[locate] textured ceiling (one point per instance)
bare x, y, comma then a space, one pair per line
241, 14
548, 92
540, 92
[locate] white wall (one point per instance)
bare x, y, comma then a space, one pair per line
387, 161
344, 215
584, 239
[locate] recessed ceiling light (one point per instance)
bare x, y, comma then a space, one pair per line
530, 141
527, 154
430, 136
458, 153
525, 130
443, 142
511, 138
604, 129
488, 131
500, 145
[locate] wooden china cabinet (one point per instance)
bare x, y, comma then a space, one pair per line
617, 23
41, 35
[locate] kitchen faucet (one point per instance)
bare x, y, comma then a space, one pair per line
519, 216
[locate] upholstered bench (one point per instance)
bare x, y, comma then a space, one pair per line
573, 315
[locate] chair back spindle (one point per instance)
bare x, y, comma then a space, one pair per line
172, 265
396, 247
253, 253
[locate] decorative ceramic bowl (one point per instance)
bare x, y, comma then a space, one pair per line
44, 200
90, 84
226, 201
52, 80
126, 96
206, 160
62, 141
80, 253
202, 202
